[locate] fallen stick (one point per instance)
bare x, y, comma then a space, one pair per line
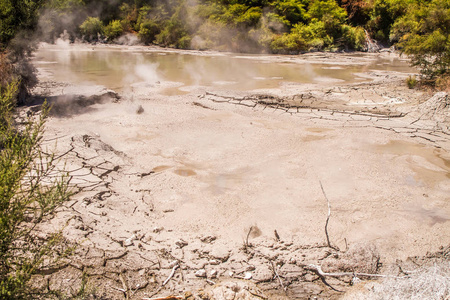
278, 276
318, 270
328, 218
165, 298
171, 275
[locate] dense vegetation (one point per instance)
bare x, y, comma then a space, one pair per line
419, 28
31, 188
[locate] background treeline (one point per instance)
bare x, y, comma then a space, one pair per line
275, 26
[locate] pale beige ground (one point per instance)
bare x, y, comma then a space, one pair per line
192, 166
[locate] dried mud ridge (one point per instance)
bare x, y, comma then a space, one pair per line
153, 262
428, 120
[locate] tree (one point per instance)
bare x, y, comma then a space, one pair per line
91, 29
29, 193
424, 34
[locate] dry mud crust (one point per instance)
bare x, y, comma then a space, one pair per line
169, 188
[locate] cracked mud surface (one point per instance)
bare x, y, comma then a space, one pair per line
222, 187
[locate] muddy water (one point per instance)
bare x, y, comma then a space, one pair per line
120, 68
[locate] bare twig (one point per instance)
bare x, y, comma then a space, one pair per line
318, 270
328, 218
171, 274
274, 269
277, 236
125, 286
248, 235
165, 298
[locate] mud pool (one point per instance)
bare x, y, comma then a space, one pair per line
121, 68
202, 146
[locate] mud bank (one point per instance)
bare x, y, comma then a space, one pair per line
217, 192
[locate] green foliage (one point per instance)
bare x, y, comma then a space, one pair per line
113, 30
411, 82
424, 34
290, 11
148, 31
91, 28
58, 16
18, 20
28, 194
384, 14
174, 35
353, 37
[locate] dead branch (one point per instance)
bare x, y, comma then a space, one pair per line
318, 270
125, 286
277, 236
328, 218
171, 274
248, 235
165, 298
274, 269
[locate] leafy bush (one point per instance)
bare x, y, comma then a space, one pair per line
148, 31
28, 194
91, 28
353, 37
411, 82
113, 30
424, 35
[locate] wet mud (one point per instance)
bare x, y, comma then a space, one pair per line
216, 193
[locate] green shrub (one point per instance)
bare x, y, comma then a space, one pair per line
353, 37
113, 30
411, 82
424, 35
29, 192
148, 31
91, 28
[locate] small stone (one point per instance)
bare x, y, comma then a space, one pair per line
214, 262
230, 274
248, 275
220, 253
250, 268
87, 201
208, 239
128, 242
158, 229
200, 273
181, 243
213, 274
140, 110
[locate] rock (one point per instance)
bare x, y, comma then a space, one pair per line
220, 253
263, 273
200, 273
214, 262
208, 239
158, 229
128, 243
250, 268
181, 243
140, 110
213, 274
247, 276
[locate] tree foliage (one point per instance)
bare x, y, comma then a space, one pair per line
424, 34
29, 192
